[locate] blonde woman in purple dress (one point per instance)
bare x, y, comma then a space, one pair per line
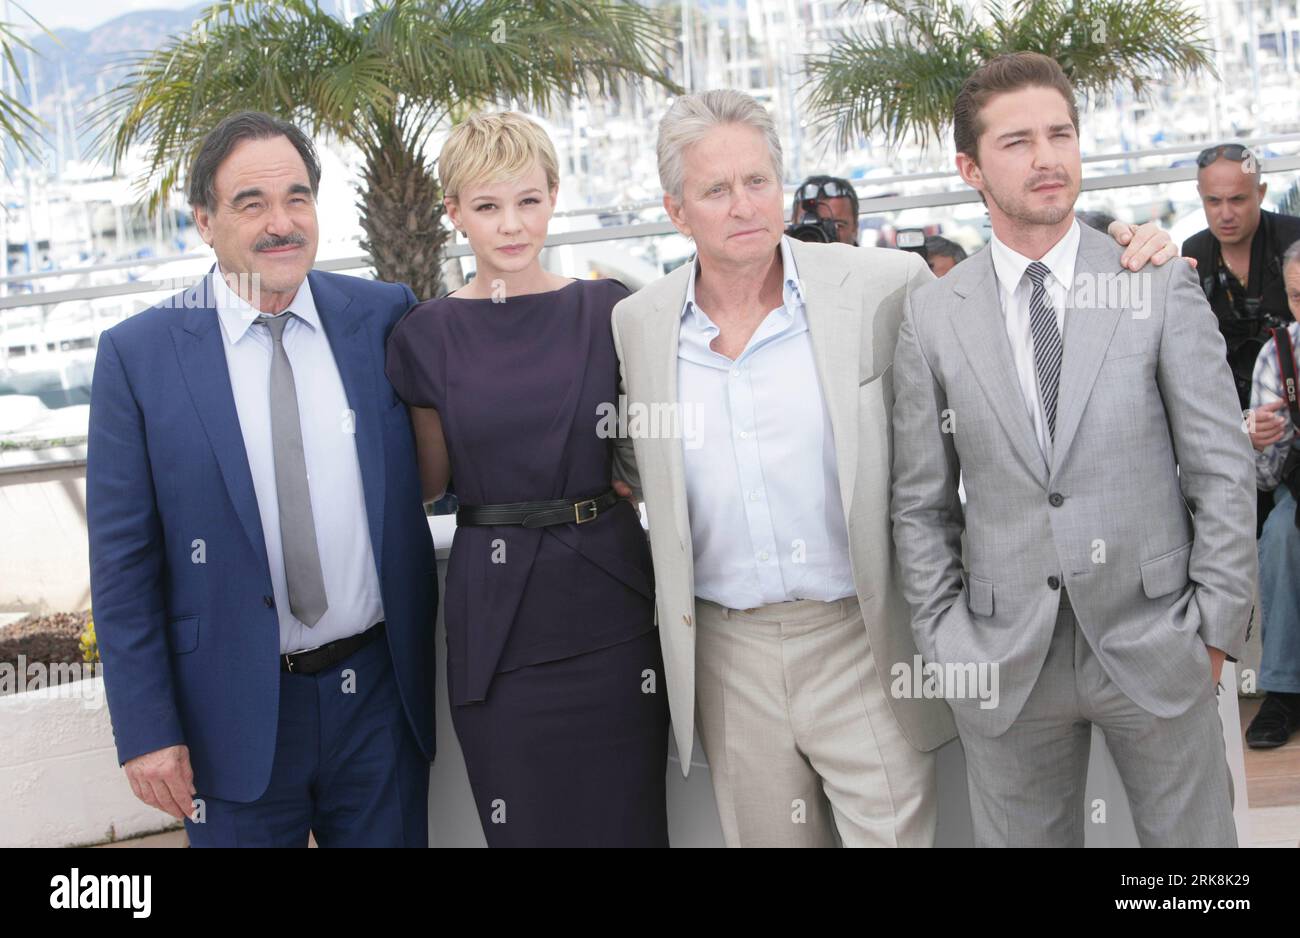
553, 660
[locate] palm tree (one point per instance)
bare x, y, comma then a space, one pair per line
382, 82
17, 122
903, 76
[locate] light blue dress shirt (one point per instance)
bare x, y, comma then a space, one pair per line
762, 486
338, 503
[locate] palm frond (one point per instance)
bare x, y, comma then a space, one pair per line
404, 65
17, 121
901, 76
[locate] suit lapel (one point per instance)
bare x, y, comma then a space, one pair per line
357, 358
1088, 332
982, 334
835, 325
202, 355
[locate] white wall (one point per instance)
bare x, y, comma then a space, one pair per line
60, 784
44, 559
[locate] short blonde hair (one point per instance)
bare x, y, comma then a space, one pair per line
490, 147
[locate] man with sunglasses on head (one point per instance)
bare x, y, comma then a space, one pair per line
825, 209
1239, 255
1239, 264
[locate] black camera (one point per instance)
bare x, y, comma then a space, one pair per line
1246, 328
813, 228
912, 239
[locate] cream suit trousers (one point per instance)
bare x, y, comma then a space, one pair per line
803, 748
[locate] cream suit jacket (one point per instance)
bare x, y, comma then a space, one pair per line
854, 299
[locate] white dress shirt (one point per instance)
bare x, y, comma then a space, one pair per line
762, 487
338, 504
1014, 290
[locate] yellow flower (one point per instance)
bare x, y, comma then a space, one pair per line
89, 644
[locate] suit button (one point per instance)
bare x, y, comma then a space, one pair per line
270, 601
1056, 499
1053, 583
686, 619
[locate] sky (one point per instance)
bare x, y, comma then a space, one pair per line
83, 14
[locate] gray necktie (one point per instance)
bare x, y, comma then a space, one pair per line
1047, 343
297, 527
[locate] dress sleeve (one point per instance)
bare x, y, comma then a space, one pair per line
413, 359
619, 291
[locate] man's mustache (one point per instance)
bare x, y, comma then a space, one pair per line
1035, 181
270, 244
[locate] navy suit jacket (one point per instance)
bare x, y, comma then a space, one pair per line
191, 650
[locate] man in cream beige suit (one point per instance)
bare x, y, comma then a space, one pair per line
782, 620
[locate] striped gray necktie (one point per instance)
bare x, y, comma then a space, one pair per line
1047, 343
302, 569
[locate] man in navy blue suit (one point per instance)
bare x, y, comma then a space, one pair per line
262, 572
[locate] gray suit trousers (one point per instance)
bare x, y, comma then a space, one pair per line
1027, 784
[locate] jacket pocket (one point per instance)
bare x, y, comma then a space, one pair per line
1167, 573
979, 595
183, 633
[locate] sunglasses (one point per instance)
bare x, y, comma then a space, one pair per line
812, 191
1229, 151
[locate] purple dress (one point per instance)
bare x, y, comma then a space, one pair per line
550, 631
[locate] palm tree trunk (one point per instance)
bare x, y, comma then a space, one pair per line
401, 216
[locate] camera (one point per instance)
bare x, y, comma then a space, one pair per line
813, 228
912, 239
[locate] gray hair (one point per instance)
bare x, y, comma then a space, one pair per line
693, 115
238, 127
1292, 255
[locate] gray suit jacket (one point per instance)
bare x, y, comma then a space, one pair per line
1146, 514
854, 299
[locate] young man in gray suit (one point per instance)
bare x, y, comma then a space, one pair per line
1109, 517
767, 489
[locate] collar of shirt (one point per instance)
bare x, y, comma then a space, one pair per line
237, 315
1010, 266
697, 321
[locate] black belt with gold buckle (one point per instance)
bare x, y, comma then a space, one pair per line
538, 514
329, 654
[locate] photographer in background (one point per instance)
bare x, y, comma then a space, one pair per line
1239, 263
825, 209
1239, 256
942, 254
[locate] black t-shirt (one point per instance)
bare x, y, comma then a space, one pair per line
1246, 312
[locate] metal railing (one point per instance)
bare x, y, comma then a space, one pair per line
76, 458
868, 206
640, 230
